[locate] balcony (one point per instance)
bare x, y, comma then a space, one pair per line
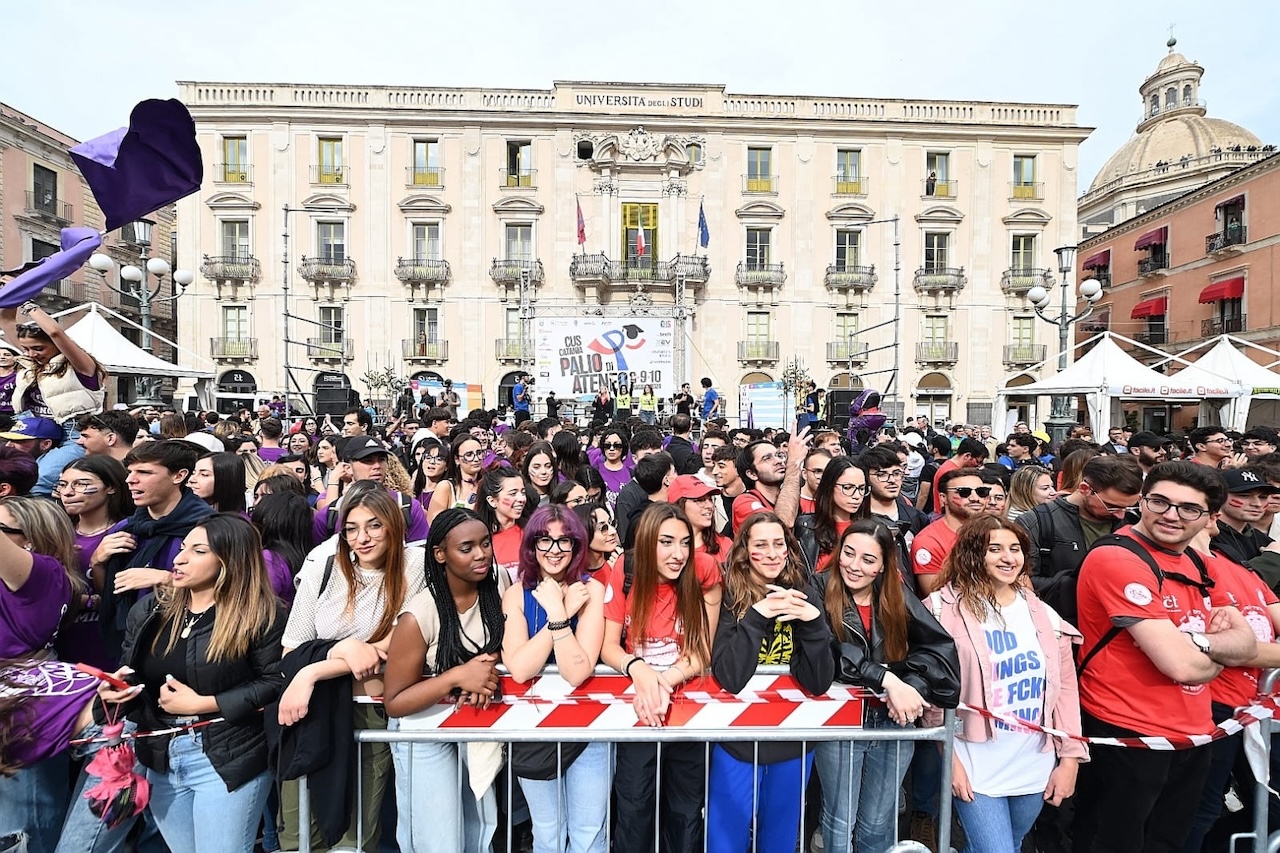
760, 184
508, 350
1019, 191
749, 274
1224, 241
518, 178
233, 349
1101, 276
1152, 337
232, 173
1223, 326
47, 206
431, 177
1024, 354
758, 352
319, 349
597, 270
936, 352
947, 190
1018, 280
845, 277
509, 273
63, 288
1153, 266
327, 269
940, 279
428, 271
330, 176
850, 185
844, 352
230, 268
424, 351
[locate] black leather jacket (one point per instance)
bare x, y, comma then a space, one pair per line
237, 748
932, 665
807, 536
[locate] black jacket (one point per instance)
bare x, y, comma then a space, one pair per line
807, 535
910, 522
736, 654
681, 450
237, 748
632, 501
931, 666
1058, 549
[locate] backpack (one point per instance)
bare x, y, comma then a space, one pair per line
331, 518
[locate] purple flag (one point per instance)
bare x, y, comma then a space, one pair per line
77, 245
139, 169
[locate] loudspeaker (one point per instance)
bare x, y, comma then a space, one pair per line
333, 401
838, 400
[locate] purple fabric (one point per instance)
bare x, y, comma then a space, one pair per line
29, 617
281, 577
81, 641
77, 245
614, 481
271, 454
138, 169
7, 385
57, 693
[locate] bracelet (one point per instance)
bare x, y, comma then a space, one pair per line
626, 670
683, 677
563, 636
558, 626
27, 308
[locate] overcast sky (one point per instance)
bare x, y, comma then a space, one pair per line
82, 71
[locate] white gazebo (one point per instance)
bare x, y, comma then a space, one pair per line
1225, 361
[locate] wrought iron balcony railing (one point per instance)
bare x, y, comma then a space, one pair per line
230, 268
319, 349
48, 205
1223, 326
1025, 353
759, 351
424, 176
1237, 236
424, 350
338, 176
842, 352
233, 349
940, 279
1021, 279
851, 185
526, 178
934, 188
596, 267
423, 271
935, 352
509, 272
759, 183
1019, 191
850, 277
508, 349
327, 268
232, 173
751, 274
1151, 266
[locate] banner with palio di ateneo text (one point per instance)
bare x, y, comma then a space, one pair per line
581, 355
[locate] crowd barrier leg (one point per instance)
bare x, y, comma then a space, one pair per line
944, 784
304, 816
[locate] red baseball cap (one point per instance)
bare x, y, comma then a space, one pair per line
689, 486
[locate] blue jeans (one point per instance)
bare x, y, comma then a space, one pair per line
34, 800
740, 794
998, 824
83, 831
575, 806
193, 808
860, 783
437, 811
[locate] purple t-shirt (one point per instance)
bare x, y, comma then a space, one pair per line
614, 481
29, 617
281, 577
58, 693
81, 641
417, 531
7, 385
271, 454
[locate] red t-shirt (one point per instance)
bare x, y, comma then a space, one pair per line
659, 642
931, 546
808, 505
722, 556
841, 527
1235, 586
506, 551
747, 503
949, 465
1121, 685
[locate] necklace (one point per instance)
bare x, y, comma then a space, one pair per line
192, 619
101, 529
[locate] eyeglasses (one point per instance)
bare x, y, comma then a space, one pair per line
1110, 507
1253, 442
853, 488
612, 445
997, 497
577, 501
546, 544
432, 459
605, 526
374, 529
1186, 512
471, 456
817, 472
84, 487
1221, 440
887, 476
482, 437
965, 491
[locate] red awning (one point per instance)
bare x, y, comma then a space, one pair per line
1150, 308
1158, 237
1231, 288
1233, 200
1095, 261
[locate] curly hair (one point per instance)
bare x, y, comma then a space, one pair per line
965, 567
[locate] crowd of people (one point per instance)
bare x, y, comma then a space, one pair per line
260, 587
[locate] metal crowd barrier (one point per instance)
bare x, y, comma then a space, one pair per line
943, 734
1266, 687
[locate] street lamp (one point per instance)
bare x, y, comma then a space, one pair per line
1060, 420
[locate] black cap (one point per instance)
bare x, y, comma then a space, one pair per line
363, 447
1146, 438
1246, 481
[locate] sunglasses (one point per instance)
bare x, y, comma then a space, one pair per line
613, 445
965, 491
12, 531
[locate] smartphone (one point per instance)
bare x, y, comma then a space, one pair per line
117, 683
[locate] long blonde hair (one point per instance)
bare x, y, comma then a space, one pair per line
395, 476
386, 509
244, 600
47, 527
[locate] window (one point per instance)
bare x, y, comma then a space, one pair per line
1022, 331
235, 238
693, 151
936, 331
846, 330
519, 164
1023, 253
426, 241
44, 189
1155, 104
426, 163
849, 172
1170, 98
332, 324
41, 250
235, 322
635, 217
331, 167
426, 325
1024, 176
758, 248
512, 325
235, 159
519, 243
936, 244
848, 248
937, 182
333, 241
758, 326
759, 170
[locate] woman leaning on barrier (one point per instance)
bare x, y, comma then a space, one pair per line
889, 643
659, 621
445, 650
555, 615
770, 615
1016, 660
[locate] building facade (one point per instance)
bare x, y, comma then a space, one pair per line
42, 192
426, 229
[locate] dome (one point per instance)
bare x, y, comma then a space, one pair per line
1169, 141
1171, 61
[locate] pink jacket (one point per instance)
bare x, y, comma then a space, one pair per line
1062, 696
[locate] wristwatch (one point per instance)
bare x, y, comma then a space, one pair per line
1201, 641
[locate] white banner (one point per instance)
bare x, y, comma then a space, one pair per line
581, 355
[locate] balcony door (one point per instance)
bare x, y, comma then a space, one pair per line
936, 246
235, 239
635, 218
332, 239
235, 322
759, 170
332, 325
848, 248
330, 155
1023, 255
758, 240
426, 241
426, 163
426, 325
519, 240
235, 159
44, 189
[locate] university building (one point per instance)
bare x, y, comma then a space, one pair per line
426, 230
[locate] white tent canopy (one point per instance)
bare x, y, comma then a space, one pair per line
1226, 362
1107, 374
96, 336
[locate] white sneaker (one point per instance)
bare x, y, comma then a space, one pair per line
1232, 800
817, 845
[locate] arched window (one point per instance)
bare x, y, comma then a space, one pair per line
1155, 104
1186, 95
1171, 97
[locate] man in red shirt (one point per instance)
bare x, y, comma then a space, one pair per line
964, 497
1210, 446
971, 453
772, 476
1151, 646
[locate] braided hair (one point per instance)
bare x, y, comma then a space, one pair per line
450, 649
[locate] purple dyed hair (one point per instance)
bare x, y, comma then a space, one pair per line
539, 524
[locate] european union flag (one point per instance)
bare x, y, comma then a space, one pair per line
704, 233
